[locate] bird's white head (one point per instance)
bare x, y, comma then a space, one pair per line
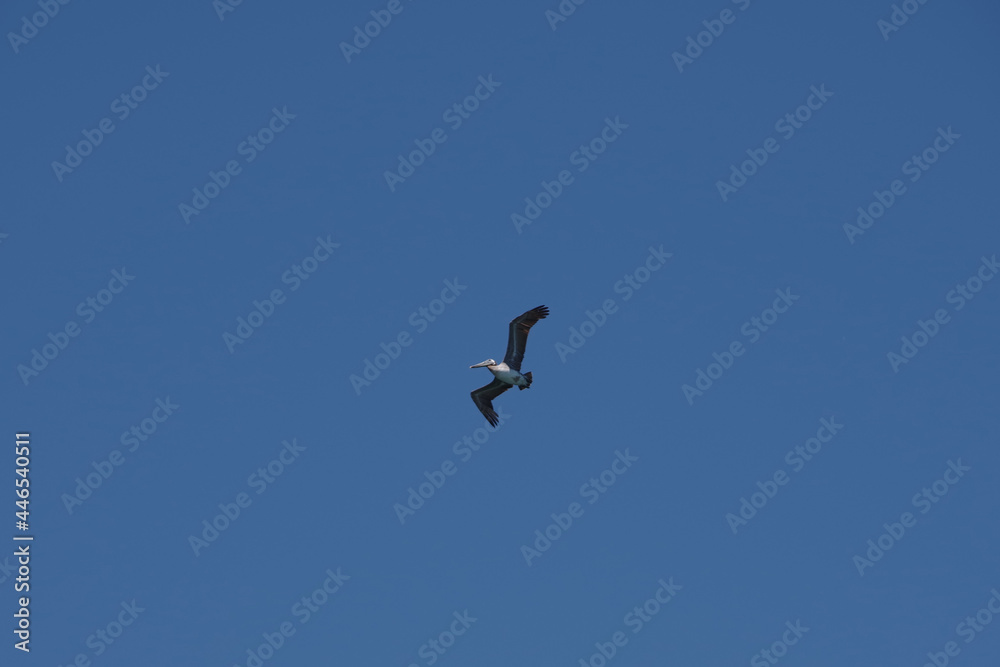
488, 362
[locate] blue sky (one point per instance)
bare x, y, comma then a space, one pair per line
759, 429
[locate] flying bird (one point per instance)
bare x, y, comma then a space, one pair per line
508, 373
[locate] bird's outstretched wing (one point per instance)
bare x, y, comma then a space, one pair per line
483, 398
518, 337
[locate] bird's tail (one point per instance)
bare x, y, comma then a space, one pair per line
527, 376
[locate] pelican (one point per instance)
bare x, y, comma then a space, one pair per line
508, 373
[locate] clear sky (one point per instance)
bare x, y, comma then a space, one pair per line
250, 251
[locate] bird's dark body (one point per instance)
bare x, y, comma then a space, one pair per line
508, 374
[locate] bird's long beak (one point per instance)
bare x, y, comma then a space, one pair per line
481, 364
